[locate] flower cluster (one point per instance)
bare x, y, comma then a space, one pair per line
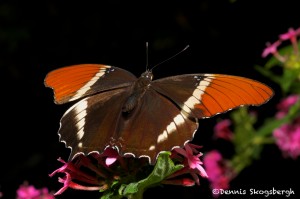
291, 35
281, 128
90, 172
287, 134
115, 175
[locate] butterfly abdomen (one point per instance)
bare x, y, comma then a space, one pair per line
138, 90
130, 103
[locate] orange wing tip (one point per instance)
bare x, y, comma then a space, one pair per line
72, 82
221, 93
251, 91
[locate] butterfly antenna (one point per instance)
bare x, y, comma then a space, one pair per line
147, 56
170, 57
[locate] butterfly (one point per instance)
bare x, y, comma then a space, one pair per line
140, 116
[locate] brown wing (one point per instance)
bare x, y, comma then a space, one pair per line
156, 124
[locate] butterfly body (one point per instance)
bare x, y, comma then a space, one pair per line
139, 116
140, 86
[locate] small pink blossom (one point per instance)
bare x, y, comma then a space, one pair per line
26, 191
222, 130
194, 161
288, 139
291, 35
190, 157
271, 48
219, 173
287, 136
285, 104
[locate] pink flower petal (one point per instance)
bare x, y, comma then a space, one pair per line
66, 181
181, 151
271, 48
289, 35
202, 171
110, 160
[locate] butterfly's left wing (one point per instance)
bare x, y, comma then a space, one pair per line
77, 81
205, 95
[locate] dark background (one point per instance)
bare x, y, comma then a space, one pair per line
37, 37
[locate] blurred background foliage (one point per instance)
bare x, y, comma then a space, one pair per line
39, 36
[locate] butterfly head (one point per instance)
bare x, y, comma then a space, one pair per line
147, 75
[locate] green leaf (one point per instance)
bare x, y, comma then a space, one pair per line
163, 168
134, 190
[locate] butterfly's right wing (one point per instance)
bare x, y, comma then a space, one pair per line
77, 81
205, 95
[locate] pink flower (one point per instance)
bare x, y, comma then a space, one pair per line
288, 139
94, 172
221, 130
74, 174
271, 48
291, 35
189, 156
219, 173
285, 105
26, 191
287, 136
193, 160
